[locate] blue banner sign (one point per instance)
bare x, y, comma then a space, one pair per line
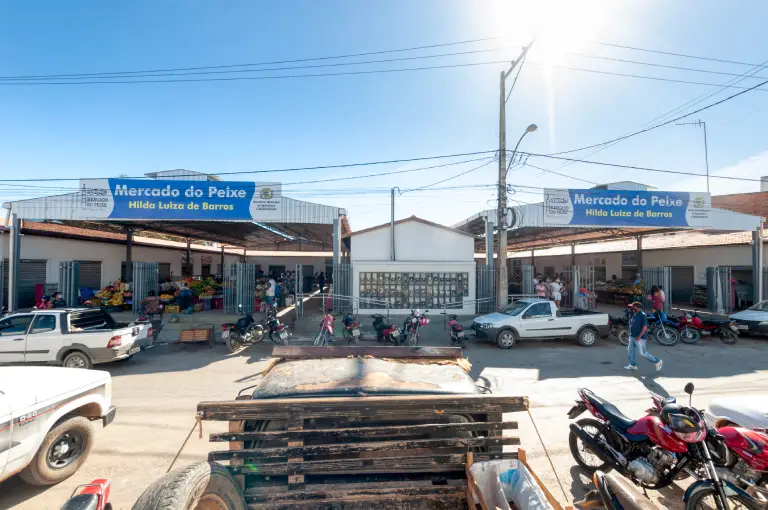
139, 199
625, 208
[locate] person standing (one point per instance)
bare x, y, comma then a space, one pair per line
58, 301
270, 292
321, 282
541, 290
638, 338
185, 297
556, 291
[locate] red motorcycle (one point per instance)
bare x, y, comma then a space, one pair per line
748, 466
411, 326
726, 330
385, 331
653, 451
458, 336
91, 496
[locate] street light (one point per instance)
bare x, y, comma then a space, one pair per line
529, 129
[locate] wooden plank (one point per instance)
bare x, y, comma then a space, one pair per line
366, 432
295, 464
294, 352
446, 502
237, 427
435, 463
391, 493
523, 458
331, 449
360, 406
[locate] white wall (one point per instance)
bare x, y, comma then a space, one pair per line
395, 267
317, 262
414, 241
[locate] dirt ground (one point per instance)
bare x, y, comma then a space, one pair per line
156, 395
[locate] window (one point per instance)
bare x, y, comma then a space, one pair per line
90, 319
413, 290
43, 324
205, 270
15, 325
538, 310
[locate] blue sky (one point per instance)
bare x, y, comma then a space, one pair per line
108, 130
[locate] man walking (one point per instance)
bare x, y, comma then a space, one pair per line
638, 337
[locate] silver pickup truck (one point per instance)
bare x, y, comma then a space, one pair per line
540, 319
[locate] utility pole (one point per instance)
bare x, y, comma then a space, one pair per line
702, 124
392, 226
501, 225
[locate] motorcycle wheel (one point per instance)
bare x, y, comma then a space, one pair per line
413, 339
258, 335
667, 336
233, 342
728, 337
623, 336
579, 450
707, 499
690, 335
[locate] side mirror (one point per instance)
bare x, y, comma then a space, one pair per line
689, 388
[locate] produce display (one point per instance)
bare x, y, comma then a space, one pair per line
113, 295
619, 287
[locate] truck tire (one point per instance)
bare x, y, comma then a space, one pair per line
587, 337
77, 359
506, 339
63, 450
203, 484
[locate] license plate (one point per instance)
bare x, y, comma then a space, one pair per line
283, 335
225, 334
133, 350
742, 326
734, 329
395, 333
460, 334
355, 332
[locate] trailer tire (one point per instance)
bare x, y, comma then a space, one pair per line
187, 487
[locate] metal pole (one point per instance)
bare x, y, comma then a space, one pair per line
757, 265
13, 264
706, 151
489, 243
501, 289
129, 254
392, 228
221, 267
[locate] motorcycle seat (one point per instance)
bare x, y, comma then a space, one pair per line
82, 502
609, 411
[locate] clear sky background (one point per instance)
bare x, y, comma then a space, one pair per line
70, 131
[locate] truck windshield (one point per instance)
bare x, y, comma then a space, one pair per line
515, 308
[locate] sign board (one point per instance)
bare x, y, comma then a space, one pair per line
624, 208
138, 199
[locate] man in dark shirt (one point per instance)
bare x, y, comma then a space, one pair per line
638, 333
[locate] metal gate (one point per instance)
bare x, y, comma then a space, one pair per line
659, 277
486, 289
31, 272
145, 278
527, 287
89, 274
69, 276
299, 290
341, 289
239, 282
720, 294
765, 283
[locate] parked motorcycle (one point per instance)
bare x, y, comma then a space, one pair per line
652, 451
243, 332
664, 331
747, 466
91, 496
619, 327
689, 328
411, 325
325, 334
155, 326
277, 330
385, 332
614, 492
351, 331
725, 329
458, 336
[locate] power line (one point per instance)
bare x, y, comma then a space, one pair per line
336, 64
251, 78
671, 53
560, 174
633, 167
314, 59
514, 82
453, 177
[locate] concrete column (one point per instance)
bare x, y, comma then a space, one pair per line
337, 240
489, 243
533, 262
245, 255
221, 267
573, 254
640, 254
14, 257
129, 254
189, 258
757, 265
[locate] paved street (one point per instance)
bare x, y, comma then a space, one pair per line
156, 394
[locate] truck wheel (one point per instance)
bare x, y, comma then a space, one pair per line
587, 337
201, 485
506, 339
64, 449
77, 359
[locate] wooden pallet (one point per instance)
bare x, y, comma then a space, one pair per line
361, 452
198, 333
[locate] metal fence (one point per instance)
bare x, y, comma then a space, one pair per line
298, 277
659, 277
69, 276
145, 279
342, 286
720, 298
239, 284
485, 289
3, 283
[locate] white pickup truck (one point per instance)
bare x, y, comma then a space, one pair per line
540, 319
45, 420
70, 337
